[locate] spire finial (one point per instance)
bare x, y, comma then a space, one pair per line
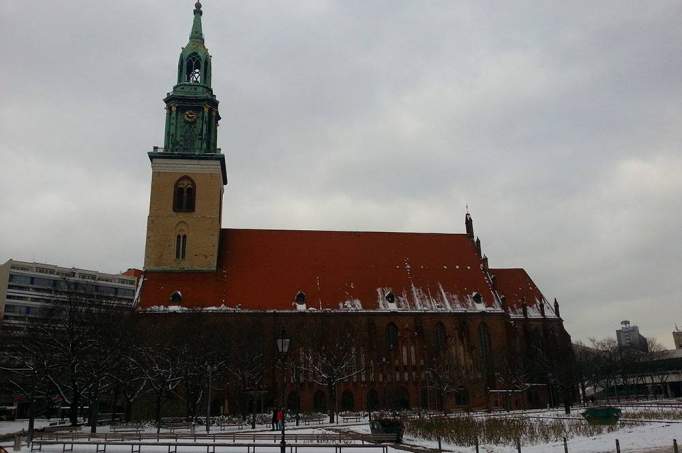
197, 32
469, 224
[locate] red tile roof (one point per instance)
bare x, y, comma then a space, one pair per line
517, 287
132, 272
265, 269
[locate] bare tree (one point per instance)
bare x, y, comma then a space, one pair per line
331, 357
160, 363
110, 336
246, 372
586, 368
444, 374
127, 380
510, 375
70, 337
607, 365
26, 368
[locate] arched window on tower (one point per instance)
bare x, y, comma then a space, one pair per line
193, 69
184, 195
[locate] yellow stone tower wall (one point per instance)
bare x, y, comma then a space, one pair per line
202, 226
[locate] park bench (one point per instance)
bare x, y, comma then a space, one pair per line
136, 447
230, 426
352, 418
172, 426
313, 420
126, 427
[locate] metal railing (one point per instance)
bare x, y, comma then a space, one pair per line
161, 149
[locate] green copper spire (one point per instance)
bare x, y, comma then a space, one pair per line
196, 53
196, 26
192, 108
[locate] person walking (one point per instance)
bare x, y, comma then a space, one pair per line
280, 419
274, 419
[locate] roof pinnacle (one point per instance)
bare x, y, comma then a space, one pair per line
197, 32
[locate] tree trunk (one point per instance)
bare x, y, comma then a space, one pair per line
31, 417
93, 408
159, 397
336, 405
73, 410
615, 389
128, 410
189, 399
332, 402
253, 413
114, 402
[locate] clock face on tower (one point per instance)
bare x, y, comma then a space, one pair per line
190, 116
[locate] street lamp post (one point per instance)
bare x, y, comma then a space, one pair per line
283, 348
208, 400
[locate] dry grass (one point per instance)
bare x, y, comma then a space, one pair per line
464, 430
654, 414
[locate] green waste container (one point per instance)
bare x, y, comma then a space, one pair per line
602, 415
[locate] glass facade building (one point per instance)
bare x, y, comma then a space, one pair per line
34, 290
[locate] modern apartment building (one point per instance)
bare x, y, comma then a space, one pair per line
33, 290
629, 337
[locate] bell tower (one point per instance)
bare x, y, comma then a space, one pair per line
188, 173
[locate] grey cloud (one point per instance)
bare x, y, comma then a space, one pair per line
558, 122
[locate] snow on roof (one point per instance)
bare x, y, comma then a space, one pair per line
518, 290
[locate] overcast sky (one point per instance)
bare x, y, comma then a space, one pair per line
559, 123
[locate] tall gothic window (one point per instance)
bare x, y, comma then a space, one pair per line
184, 195
180, 246
371, 334
391, 336
193, 69
484, 340
441, 337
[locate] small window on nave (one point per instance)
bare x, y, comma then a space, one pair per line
176, 297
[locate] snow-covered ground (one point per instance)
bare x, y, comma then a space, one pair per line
164, 449
648, 437
655, 437
632, 439
17, 425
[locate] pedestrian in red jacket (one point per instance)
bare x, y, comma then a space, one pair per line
280, 418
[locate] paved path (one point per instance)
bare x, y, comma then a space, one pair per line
401, 446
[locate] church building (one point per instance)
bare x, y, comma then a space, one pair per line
434, 325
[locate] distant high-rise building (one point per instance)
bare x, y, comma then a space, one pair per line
629, 337
33, 290
677, 338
